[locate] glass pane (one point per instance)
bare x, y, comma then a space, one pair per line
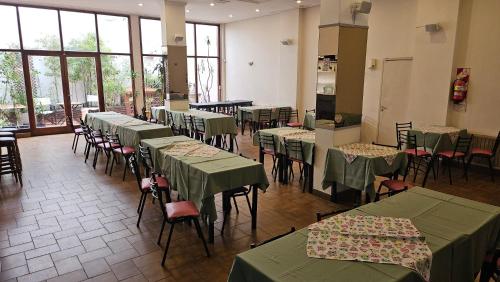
190, 39
113, 34
82, 87
46, 87
208, 80
10, 32
13, 111
117, 83
78, 31
191, 79
152, 80
40, 29
207, 40
151, 36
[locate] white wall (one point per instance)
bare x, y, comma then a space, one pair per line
308, 59
478, 48
273, 78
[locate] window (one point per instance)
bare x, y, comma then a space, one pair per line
78, 31
10, 31
117, 84
40, 29
113, 34
202, 42
13, 106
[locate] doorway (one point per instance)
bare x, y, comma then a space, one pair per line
61, 86
396, 77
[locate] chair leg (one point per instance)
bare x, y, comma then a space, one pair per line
492, 171
76, 144
125, 168
248, 202
236, 205
465, 169
449, 169
198, 229
74, 140
168, 243
108, 156
142, 209
113, 160
140, 202
377, 195
96, 156
161, 231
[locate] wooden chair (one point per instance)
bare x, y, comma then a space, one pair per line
76, 131
294, 120
116, 147
459, 153
267, 146
320, 216
234, 193
176, 212
294, 152
402, 131
486, 154
255, 245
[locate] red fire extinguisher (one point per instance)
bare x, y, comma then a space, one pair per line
460, 85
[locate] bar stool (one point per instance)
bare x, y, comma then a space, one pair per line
11, 132
9, 163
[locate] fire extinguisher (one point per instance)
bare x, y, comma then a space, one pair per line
459, 90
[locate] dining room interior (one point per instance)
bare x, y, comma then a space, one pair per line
249, 140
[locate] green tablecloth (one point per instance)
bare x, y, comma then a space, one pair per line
215, 124
435, 142
458, 231
199, 178
279, 133
252, 112
309, 121
359, 174
130, 130
158, 113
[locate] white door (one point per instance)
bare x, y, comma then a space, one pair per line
396, 75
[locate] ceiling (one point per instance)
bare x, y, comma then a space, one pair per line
199, 10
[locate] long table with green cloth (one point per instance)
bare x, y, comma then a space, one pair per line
130, 130
199, 178
459, 232
307, 139
215, 123
359, 174
437, 138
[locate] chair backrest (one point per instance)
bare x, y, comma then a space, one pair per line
147, 160
199, 124
463, 144
294, 149
284, 115
96, 133
294, 116
162, 195
86, 131
265, 115
188, 121
134, 168
311, 111
411, 143
255, 245
320, 216
497, 143
402, 130
114, 141
266, 142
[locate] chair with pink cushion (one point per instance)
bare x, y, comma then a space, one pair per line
459, 153
486, 154
116, 148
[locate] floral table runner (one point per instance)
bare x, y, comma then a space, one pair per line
352, 151
370, 239
192, 148
453, 132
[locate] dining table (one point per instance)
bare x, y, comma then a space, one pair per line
199, 171
458, 232
229, 106
251, 113
356, 165
437, 138
281, 134
130, 130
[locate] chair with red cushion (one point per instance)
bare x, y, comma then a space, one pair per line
116, 148
486, 154
419, 160
76, 131
283, 117
394, 186
293, 120
176, 212
459, 153
402, 132
267, 146
94, 138
295, 154
144, 184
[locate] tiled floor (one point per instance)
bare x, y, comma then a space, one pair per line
71, 222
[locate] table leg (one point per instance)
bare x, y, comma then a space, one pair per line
255, 194
333, 196
261, 156
310, 177
231, 143
282, 169
218, 141
357, 200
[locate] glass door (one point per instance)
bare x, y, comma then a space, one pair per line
47, 103
83, 86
